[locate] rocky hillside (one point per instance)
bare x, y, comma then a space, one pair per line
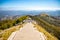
49, 23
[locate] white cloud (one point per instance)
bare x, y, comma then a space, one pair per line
28, 8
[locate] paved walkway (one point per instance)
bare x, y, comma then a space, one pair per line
28, 32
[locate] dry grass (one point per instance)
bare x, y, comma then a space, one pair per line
7, 32
48, 35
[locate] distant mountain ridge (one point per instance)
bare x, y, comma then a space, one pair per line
8, 13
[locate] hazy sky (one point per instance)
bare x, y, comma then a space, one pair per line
29, 4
